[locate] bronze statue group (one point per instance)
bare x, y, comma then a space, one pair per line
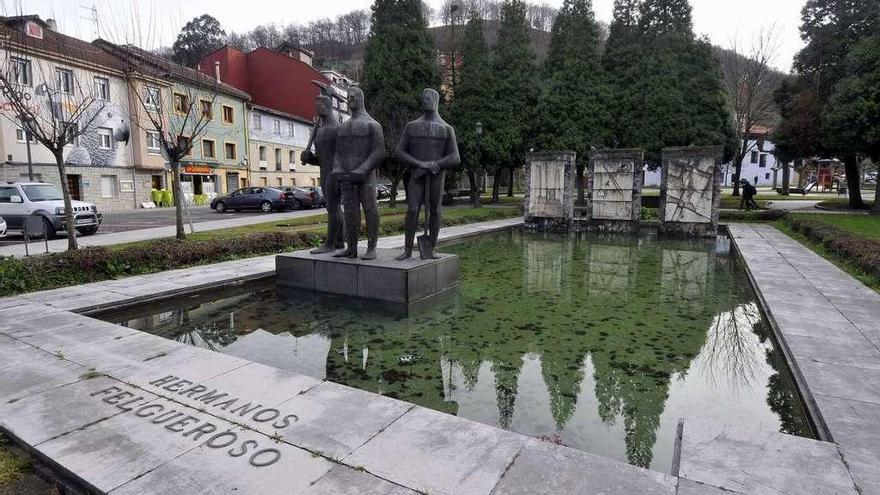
349, 154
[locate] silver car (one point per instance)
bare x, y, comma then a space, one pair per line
19, 200
2, 228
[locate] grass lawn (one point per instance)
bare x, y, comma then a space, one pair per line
864, 225
840, 204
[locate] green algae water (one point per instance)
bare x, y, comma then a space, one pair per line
600, 343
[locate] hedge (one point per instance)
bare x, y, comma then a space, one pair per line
860, 251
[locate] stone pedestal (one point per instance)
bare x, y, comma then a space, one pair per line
549, 199
614, 186
690, 190
386, 279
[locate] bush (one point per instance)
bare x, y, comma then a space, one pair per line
93, 264
753, 215
862, 252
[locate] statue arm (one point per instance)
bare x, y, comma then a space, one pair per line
403, 150
451, 158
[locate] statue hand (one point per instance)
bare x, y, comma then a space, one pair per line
357, 175
306, 157
432, 167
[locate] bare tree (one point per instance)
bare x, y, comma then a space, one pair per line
751, 81
50, 104
175, 119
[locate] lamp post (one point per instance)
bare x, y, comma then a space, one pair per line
28, 136
478, 183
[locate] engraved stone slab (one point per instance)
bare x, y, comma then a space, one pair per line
549, 198
690, 190
614, 184
41, 371
343, 480
439, 453
386, 279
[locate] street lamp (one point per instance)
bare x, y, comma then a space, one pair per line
28, 135
478, 129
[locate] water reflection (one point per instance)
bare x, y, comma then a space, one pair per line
599, 343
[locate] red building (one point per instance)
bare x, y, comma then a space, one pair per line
280, 80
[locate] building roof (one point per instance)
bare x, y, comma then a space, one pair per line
54, 43
135, 59
280, 113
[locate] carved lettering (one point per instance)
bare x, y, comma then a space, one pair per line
193, 390
201, 430
174, 387
243, 448
273, 456
164, 380
285, 421
124, 405
106, 391
214, 444
166, 416
211, 396
148, 407
245, 409
262, 417
113, 399
181, 424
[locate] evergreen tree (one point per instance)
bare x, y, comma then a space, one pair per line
621, 63
474, 102
398, 65
852, 116
572, 112
515, 90
199, 37
830, 29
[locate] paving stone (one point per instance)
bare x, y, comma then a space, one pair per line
837, 380
8, 302
688, 487
740, 459
40, 372
343, 480
23, 312
545, 468
207, 470
13, 351
851, 423
439, 453
187, 362
864, 465
856, 351
125, 357
70, 330
40, 417
154, 288
116, 450
335, 419
88, 301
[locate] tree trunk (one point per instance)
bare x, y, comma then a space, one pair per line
392, 201
581, 199
510, 185
875, 210
68, 206
475, 188
177, 192
786, 179
853, 182
496, 185
737, 170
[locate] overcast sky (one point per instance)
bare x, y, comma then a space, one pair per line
721, 20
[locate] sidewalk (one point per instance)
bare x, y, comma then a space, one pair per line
58, 245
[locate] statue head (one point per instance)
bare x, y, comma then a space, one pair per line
430, 100
324, 106
355, 99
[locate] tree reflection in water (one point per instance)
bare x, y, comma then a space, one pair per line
606, 324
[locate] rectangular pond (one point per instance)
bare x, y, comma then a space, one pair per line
600, 343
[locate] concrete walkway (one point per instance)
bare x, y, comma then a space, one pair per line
58, 245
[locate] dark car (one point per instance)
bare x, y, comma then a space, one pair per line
319, 202
302, 198
383, 191
254, 198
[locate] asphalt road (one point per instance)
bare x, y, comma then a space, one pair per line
123, 221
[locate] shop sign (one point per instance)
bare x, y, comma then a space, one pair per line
197, 169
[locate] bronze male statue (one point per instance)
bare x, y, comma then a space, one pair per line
428, 147
360, 149
324, 138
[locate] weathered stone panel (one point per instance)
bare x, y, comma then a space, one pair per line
690, 190
614, 182
549, 199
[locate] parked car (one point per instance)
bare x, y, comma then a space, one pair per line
303, 198
2, 228
18, 200
383, 191
265, 199
319, 202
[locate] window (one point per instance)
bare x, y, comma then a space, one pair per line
291, 157
208, 149
64, 81
20, 135
290, 129
767, 176
153, 142
20, 71
277, 159
280, 182
228, 115
105, 138
754, 157
207, 109
277, 126
230, 151
763, 161
6, 194
151, 97
293, 181
262, 156
70, 132
181, 103
185, 143
258, 122
102, 88
263, 181
108, 186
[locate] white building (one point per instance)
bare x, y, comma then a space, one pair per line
276, 141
